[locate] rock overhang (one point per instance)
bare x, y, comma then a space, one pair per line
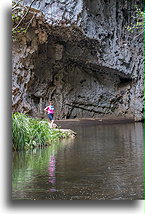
86, 47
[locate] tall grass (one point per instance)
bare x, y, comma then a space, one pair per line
28, 132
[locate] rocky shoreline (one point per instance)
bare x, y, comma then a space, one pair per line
68, 132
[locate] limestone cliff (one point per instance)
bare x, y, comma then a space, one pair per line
80, 55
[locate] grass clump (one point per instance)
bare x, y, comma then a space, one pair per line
28, 132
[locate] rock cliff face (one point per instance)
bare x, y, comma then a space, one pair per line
80, 55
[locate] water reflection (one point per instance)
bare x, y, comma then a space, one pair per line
51, 169
51, 172
102, 162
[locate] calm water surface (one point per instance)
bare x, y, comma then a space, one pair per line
102, 162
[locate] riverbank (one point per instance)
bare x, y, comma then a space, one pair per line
29, 133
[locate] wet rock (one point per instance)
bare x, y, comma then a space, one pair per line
68, 132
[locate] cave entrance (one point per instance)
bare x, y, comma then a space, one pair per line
77, 89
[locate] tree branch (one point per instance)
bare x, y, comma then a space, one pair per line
23, 16
30, 22
138, 35
16, 5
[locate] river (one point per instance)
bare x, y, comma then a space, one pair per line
102, 162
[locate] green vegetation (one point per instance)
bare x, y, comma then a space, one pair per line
21, 17
28, 132
138, 21
18, 12
137, 27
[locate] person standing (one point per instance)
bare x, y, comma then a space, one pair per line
50, 110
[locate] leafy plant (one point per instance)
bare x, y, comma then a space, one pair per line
138, 21
20, 19
28, 132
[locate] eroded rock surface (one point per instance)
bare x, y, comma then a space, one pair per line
79, 54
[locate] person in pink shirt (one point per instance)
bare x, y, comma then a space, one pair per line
50, 110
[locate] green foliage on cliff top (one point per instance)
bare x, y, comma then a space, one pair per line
18, 13
137, 21
21, 17
28, 132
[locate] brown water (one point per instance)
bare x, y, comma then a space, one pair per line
102, 162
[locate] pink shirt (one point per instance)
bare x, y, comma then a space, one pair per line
50, 109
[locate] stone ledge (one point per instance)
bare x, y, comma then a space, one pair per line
69, 132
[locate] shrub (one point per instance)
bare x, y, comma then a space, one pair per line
28, 132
